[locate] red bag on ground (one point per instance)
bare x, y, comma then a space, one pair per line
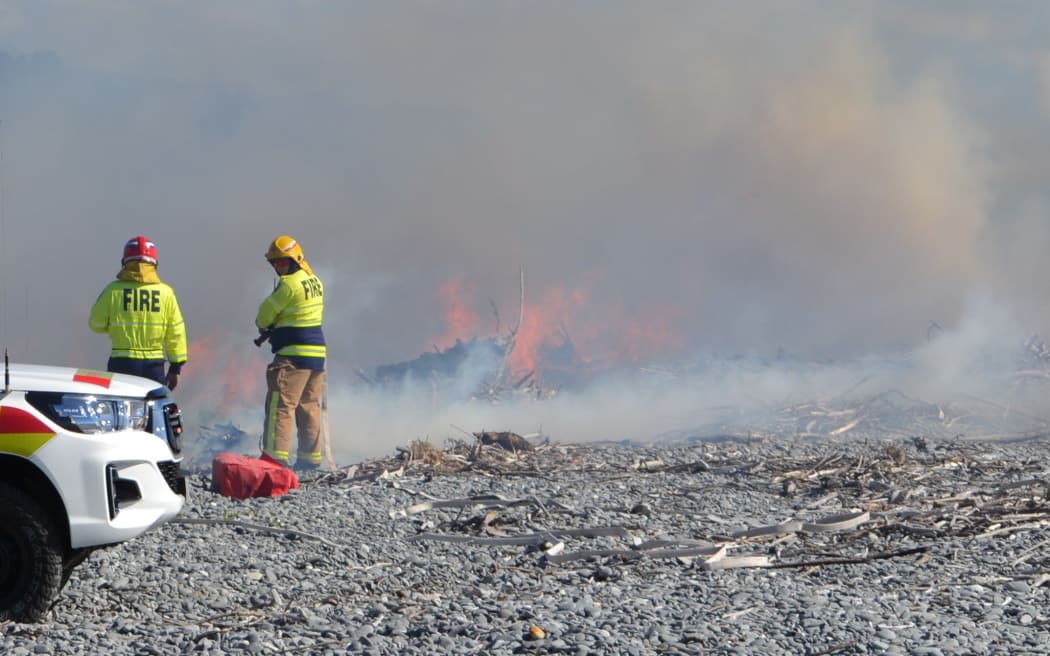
241, 477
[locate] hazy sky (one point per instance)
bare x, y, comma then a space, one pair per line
675, 178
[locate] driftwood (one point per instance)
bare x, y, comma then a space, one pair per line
917, 474
853, 561
511, 340
505, 440
907, 495
256, 527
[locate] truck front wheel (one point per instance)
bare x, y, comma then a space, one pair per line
31, 555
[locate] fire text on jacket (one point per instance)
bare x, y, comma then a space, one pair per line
312, 287
142, 300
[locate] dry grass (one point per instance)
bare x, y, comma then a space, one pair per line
423, 452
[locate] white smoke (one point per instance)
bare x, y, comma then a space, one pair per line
820, 181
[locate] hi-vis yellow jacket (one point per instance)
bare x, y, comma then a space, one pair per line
293, 314
141, 315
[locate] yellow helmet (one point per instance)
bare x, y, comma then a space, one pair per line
285, 246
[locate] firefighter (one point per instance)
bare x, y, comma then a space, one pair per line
291, 319
140, 313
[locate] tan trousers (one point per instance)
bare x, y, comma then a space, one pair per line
293, 401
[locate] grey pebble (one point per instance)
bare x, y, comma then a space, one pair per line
223, 588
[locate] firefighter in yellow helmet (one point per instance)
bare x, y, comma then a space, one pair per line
141, 315
291, 319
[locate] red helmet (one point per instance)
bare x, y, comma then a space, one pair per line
139, 249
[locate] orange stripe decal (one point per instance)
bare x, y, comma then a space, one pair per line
100, 378
16, 420
21, 432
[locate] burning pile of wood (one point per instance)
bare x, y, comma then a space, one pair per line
446, 363
483, 359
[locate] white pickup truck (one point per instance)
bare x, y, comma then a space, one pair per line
87, 459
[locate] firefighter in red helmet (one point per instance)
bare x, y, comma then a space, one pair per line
291, 319
141, 315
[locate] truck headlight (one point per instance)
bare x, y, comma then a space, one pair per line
87, 413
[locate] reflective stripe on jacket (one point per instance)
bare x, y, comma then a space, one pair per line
294, 313
142, 319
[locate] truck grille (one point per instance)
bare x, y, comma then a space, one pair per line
176, 481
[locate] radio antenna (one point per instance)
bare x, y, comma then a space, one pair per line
3, 250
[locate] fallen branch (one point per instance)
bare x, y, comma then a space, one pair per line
256, 527
882, 555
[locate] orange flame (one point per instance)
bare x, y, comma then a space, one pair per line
460, 321
652, 335
565, 331
225, 379
540, 324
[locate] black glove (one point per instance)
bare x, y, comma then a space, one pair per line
263, 336
172, 379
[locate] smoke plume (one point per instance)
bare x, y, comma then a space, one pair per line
675, 180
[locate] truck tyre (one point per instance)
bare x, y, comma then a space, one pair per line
73, 558
31, 555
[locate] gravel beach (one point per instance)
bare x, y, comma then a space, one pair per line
730, 545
